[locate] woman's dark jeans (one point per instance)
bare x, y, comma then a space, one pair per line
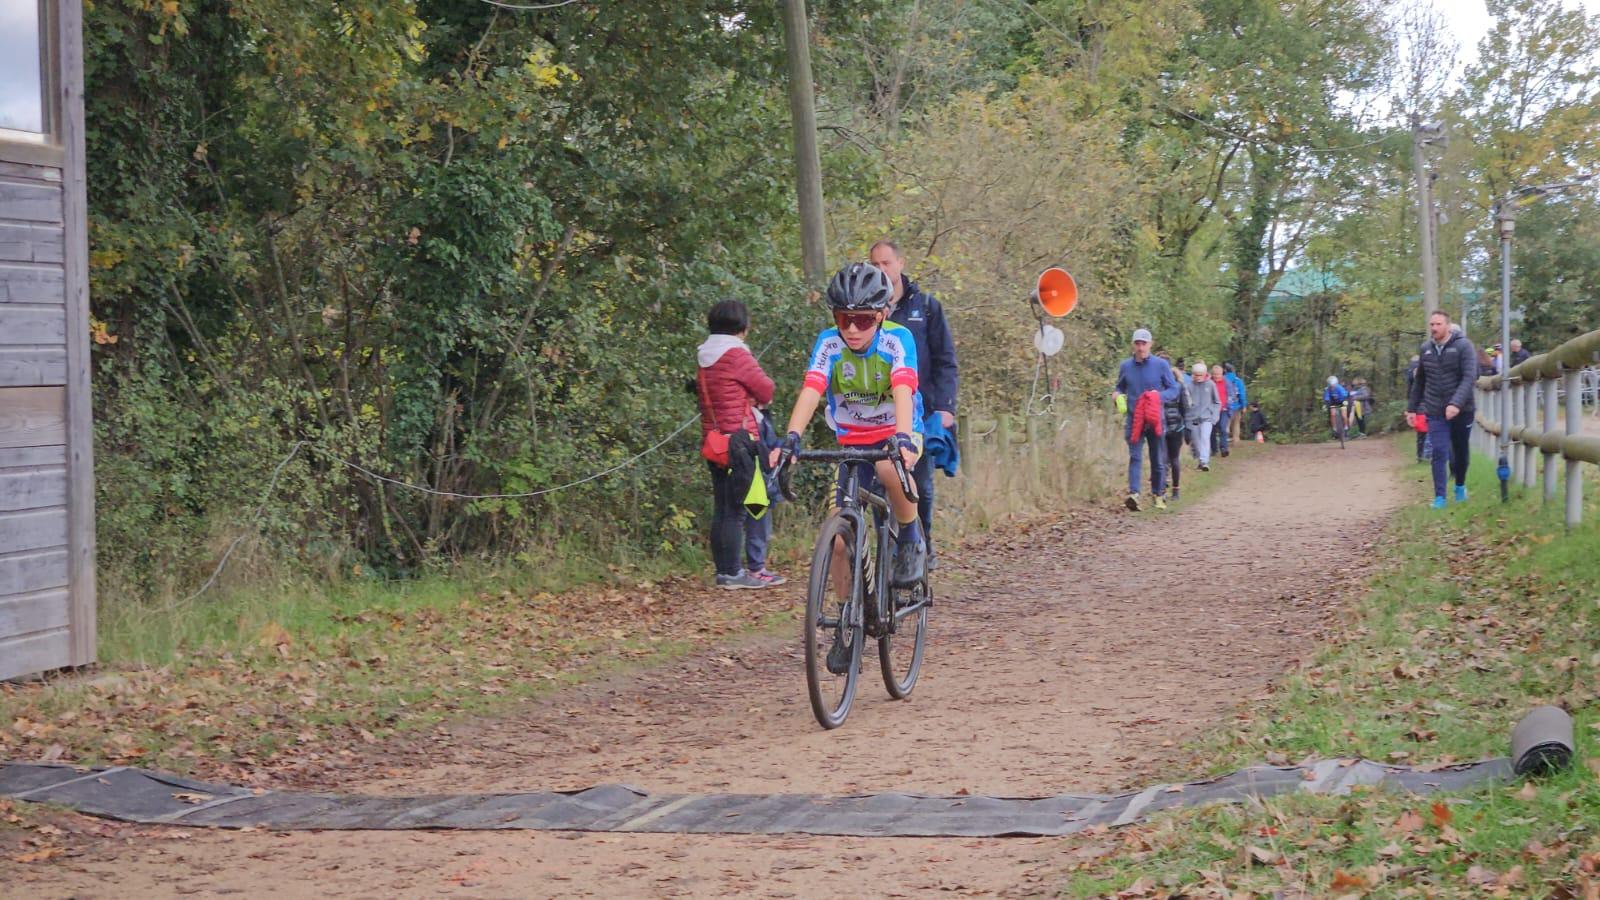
727, 521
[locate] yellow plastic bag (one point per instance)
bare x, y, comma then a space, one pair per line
755, 499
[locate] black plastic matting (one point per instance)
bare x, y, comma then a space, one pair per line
134, 795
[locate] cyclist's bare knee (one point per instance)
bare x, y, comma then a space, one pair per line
904, 508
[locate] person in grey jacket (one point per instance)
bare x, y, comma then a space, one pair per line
1205, 411
1442, 391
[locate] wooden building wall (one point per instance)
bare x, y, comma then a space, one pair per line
47, 597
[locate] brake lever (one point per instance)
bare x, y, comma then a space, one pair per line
908, 484
786, 477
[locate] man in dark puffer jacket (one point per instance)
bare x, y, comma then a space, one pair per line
1442, 390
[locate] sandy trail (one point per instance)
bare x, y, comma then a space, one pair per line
1071, 656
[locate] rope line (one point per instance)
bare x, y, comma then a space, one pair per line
277, 471
434, 492
261, 510
535, 6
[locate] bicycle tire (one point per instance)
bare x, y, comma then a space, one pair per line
818, 637
912, 631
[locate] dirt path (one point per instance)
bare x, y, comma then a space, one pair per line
1072, 656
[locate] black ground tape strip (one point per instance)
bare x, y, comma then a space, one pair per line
133, 795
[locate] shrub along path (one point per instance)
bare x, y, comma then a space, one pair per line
1070, 655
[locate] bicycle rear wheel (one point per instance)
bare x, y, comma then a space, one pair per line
900, 653
832, 630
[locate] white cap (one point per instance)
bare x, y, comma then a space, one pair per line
1142, 334
1200, 368
1333, 380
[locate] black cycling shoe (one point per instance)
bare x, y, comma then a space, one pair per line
839, 655
910, 561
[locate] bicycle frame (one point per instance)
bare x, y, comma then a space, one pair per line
854, 503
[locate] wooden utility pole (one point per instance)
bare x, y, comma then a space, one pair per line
1421, 135
807, 163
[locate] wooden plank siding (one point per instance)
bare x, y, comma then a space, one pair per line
32, 417
29, 613
33, 312
32, 282
21, 366
24, 199
38, 652
24, 243
32, 489
47, 591
28, 572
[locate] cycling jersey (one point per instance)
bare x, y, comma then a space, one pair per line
859, 385
1335, 396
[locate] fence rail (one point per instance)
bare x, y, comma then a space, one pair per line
1539, 387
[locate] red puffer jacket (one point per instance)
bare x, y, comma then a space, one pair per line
1147, 414
731, 384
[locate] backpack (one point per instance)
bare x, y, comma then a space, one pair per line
1174, 413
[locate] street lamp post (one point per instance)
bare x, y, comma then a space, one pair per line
1506, 215
1505, 212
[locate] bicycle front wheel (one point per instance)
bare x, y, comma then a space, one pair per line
832, 630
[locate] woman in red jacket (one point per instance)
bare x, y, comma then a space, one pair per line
731, 385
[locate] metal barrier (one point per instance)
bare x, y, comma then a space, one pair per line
1538, 387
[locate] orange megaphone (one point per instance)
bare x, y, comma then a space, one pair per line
1056, 291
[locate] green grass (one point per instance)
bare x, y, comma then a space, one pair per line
1475, 615
160, 634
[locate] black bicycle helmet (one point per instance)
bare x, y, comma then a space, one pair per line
859, 286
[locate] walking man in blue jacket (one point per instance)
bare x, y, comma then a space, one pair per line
1139, 375
937, 378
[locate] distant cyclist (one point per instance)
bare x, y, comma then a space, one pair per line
867, 368
1337, 400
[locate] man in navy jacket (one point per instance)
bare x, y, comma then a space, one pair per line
1442, 390
936, 362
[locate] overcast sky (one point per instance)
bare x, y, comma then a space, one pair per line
1469, 20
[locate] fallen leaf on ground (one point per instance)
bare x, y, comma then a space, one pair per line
1409, 821
1343, 881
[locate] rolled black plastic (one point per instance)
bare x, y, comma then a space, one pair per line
1542, 744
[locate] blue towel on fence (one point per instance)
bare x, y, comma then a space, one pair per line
940, 445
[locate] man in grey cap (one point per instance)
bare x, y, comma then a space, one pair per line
1141, 375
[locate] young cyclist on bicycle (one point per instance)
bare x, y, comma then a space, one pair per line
867, 368
1337, 400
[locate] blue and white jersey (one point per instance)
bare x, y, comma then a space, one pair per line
859, 386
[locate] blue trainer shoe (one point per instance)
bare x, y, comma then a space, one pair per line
1461, 493
1438, 503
